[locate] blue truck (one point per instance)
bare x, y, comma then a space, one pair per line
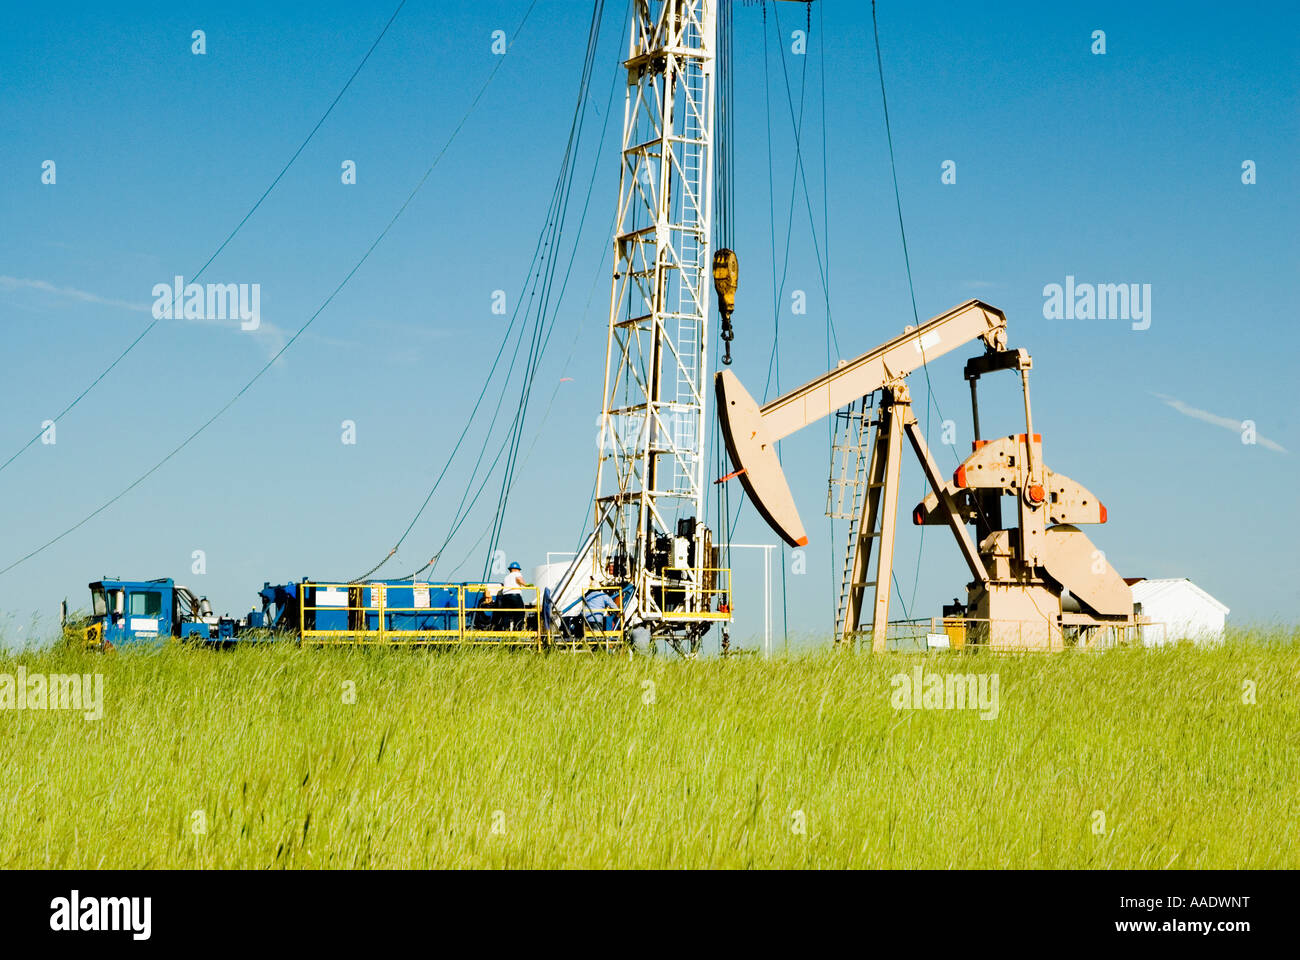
127, 612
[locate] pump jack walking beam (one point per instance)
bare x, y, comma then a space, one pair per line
751, 432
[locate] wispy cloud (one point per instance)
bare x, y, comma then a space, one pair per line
271, 336
1228, 423
20, 283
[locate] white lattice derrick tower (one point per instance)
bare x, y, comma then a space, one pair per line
649, 505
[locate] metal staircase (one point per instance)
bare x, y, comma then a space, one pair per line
848, 484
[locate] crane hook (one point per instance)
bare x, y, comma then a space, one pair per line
726, 278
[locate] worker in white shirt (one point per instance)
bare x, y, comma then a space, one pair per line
512, 597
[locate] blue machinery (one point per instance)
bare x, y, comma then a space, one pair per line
146, 611
379, 612
427, 614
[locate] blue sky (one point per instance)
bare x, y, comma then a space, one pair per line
1117, 168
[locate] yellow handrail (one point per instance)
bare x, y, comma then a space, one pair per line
462, 602
693, 597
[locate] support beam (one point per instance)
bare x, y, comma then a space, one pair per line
895, 410
949, 506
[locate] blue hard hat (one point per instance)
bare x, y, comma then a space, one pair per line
514, 566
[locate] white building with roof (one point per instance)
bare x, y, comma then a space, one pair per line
1177, 610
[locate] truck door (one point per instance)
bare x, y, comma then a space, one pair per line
115, 631
146, 618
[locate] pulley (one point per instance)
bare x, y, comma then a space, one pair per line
726, 278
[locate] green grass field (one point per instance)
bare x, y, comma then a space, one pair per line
256, 758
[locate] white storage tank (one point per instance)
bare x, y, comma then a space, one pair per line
546, 576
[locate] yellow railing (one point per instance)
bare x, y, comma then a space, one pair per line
1008, 635
1031, 635
705, 596
364, 615
591, 635
447, 614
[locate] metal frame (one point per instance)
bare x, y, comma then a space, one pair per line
767, 549
879, 518
650, 466
1021, 636
462, 633
1018, 573
714, 581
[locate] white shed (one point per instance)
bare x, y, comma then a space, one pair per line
1178, 610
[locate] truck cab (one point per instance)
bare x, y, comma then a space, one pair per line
124, 612
133, 612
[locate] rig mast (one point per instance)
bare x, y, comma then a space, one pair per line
649, 506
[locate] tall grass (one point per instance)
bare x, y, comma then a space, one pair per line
255, 758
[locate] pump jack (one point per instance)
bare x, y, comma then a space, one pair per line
1034, 586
